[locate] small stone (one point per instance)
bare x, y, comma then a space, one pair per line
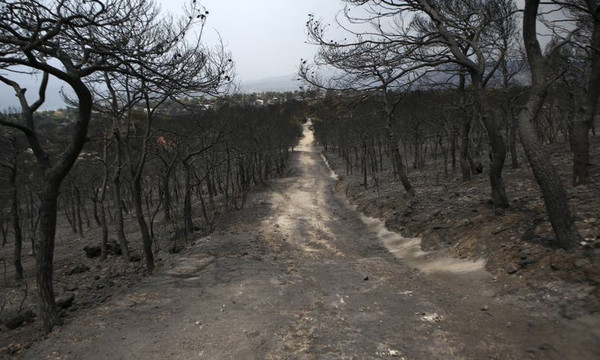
366, 278
70, 287
545, 346
17, 319
114, 248
92, 251
485, 308
135, 258
511, 268
554, 267
14, 322
65, 301
77, 269
254, 334
11, 349
525, 262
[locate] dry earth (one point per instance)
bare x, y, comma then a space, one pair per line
301, 274
457, 219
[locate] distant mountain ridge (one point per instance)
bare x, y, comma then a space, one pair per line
280, 83
446, 74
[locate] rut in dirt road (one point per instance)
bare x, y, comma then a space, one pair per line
300, 275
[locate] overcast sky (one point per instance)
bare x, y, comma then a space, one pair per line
266, 37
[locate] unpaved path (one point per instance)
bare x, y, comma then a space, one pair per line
304, 276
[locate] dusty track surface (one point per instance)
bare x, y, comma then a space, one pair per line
301, 275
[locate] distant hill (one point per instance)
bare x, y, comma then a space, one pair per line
446, 75
280, 83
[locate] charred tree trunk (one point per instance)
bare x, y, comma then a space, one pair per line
395, 150
104, 240
71, 216
453, 141
139, 212
465, 166
580, 146
166, 196
79, 209
497, 147
116, 180
187, 200
465, 131
399, 162
210, 188
16, 226
203, 204
100, 197
513, 140
580, 142
33, 221
12, 165
4, 225
54, 174
45, 256
95, 208
137, 172
364, 166
228, 175
547, 177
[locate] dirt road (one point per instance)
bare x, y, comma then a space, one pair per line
301, 275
